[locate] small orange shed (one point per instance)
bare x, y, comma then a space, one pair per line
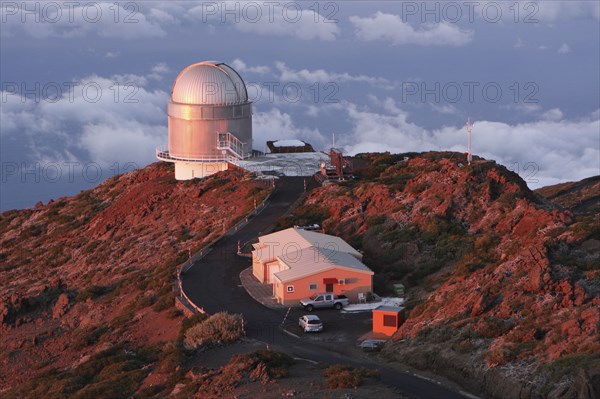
387, 320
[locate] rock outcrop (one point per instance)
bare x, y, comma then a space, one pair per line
499, 278
94, 271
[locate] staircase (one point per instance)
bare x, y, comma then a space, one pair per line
227, 141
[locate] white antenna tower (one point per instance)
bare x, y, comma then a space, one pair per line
469, 126
333, 141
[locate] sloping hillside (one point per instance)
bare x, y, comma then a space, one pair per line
90, 277
502, 284
580, 197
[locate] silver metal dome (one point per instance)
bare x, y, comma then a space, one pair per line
210, 121
209, 83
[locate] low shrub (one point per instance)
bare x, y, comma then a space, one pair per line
278, 364
274, 364
570, 365
86, 336
164, 302
375, 220
93, 292
190, 322
340, 376
219, 328
171, 356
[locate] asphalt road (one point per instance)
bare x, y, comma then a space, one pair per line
213, 283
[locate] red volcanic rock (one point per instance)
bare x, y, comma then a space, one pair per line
3, 313
61, 306
116, 248
518, 275
570, 327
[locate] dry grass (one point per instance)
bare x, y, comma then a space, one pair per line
219, 328
340, 376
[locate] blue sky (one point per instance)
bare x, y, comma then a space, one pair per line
85, 84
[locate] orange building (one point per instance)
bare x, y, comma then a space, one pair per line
300, 263
387, 320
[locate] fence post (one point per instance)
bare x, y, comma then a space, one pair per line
286, 316
189, 262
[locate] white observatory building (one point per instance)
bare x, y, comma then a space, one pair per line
210, 121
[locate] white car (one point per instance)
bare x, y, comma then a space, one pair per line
310, 323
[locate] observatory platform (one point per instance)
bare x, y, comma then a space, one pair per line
210, 121
290, 164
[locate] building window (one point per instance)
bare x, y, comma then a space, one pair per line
290, 288
312, 286
389, 320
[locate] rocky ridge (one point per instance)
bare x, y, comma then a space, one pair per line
501, 281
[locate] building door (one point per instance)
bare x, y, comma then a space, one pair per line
329, 287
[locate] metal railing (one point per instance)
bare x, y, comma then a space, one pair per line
187, 265
227, 141
164, 155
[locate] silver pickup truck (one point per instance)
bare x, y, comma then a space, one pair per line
324, 300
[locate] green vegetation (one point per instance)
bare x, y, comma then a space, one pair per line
219, 328
114, 373
87, 336
304, 215
93, 292
340, 376
277, 363
567, 366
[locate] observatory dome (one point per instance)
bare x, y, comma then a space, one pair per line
210, 121
209, 83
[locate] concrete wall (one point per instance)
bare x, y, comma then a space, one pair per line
257, 268
192, 170
380, 328
357, 282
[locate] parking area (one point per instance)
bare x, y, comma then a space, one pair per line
338, 327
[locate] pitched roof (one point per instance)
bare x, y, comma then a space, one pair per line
312, 260
288, 240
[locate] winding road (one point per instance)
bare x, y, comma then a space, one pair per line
213, 283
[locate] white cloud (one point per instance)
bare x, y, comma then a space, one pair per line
548, 11
275, 125
446, 109
112, 54
525, 108
103, 120
323, 76
268, 18
391, 28
159, 70
519, 44
162, 16
543, 151
241, 66
564, 49
63, 20
553, 114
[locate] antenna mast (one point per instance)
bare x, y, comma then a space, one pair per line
333, 141
469, 126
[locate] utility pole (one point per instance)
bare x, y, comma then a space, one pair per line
469, 126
